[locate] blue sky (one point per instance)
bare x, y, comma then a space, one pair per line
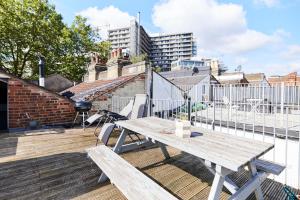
260, 35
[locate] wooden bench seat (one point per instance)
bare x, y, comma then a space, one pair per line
269, 167
130, 181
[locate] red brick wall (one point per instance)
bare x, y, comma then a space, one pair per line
41, 105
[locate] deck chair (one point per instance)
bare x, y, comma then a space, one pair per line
101, 114
108, 116
138, 111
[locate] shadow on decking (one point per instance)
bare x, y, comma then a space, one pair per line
57, 176
8, 146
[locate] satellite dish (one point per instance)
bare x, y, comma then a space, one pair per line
195, 70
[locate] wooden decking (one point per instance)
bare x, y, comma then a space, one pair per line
55, 166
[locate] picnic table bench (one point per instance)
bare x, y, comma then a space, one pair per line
130, 181
222, 153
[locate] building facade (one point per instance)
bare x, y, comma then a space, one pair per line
291, 79
171, 47
162, 49
22, 102
127, 38
205, 65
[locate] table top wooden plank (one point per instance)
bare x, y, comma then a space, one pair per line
229, 151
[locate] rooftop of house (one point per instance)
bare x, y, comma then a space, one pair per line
5, 75
291, 79
186, 79
183, 72
232, 78
87, 89
53, 164
57, 83
255, 77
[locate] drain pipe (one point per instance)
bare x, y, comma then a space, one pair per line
42, 71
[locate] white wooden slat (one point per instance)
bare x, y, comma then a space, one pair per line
228, 151
130, 181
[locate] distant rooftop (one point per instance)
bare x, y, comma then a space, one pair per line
86, 90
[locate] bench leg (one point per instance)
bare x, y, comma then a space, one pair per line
117, 148
218, 183
253, 173
102, 178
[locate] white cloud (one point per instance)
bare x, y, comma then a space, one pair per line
219, 27
106, 18
281, 68
240, 60
268, 3
292, 52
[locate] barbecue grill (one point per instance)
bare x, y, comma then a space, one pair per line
82, 108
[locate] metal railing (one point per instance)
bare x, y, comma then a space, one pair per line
118, 103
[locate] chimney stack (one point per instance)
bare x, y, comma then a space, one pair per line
42, 71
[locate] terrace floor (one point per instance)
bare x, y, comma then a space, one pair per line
54, 165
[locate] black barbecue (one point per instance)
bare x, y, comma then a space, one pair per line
82, 108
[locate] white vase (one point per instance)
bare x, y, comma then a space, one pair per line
183, 128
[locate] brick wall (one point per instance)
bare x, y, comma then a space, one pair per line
41, 105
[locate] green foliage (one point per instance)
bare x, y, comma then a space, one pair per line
140, 58
103, 48
33, 27
157, 69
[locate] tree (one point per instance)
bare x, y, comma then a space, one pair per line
76, 44
157, 69
33, 27
140, 58
28, 28
103, 48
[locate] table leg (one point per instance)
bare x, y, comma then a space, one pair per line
228, 183
121, 140
253, 173
218, 183
116, 149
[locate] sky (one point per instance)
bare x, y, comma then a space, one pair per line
260, 35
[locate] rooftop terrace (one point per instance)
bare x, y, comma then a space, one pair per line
54, 165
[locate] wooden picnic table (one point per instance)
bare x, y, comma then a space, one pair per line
223, 153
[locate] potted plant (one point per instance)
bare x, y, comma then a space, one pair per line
183, 128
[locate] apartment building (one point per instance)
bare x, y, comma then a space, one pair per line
171, 47
162, 49
127, 38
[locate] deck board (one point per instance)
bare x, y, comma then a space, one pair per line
55, 166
